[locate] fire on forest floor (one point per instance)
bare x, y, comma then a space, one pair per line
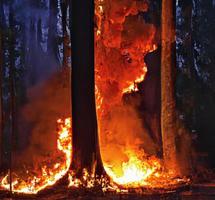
61, 192
136, 176
48, 172
136, 170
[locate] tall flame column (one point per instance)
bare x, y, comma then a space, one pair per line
86, 154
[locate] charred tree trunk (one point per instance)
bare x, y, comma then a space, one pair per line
86, 153
168, 104
11, 87
39, 35
1, 94
52, 33
32, 59
66, 49
151, 89
2, 62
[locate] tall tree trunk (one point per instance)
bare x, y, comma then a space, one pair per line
52, 33
86, 153
66, 49
1, 94
32, 61
168, 105
12, 87
2, 61
39, 35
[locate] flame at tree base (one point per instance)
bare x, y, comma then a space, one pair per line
31, 182
142, 171
139, 171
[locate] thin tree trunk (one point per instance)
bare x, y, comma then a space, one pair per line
66, 49
1, 95
2, 47
52, 33
32, 61
168, 105
39, 35
12, 88
86, 153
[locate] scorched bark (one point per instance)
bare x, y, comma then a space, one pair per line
86, 154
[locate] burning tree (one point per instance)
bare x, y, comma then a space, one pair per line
117, 77
86, 153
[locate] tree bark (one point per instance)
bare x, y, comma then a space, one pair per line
52, 33
32, 58
1, 94
168, 104
11, 87
86, 153
2, 61
39, 35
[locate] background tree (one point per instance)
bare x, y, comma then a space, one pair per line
195, 82
53, 39
12, 85
1, 71
66, 39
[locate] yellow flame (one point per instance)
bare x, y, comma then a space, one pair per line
133, 85
139, 170
47, 176
142, 171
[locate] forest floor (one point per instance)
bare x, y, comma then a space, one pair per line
194, 192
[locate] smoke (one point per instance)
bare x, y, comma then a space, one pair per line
124, 41
123, 131
47, 102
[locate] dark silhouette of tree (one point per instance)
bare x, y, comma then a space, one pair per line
12, 85
32, 62
86, 153
66, 49
52, 45
151, 106
39, 35
1, 82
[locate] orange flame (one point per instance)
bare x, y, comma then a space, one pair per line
136, 168
120, 75
46, 176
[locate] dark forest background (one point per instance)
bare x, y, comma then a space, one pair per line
35, 43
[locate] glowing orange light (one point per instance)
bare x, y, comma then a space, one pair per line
46, 176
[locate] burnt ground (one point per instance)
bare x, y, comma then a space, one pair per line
194, 192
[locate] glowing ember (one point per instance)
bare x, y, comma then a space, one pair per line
50, 172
